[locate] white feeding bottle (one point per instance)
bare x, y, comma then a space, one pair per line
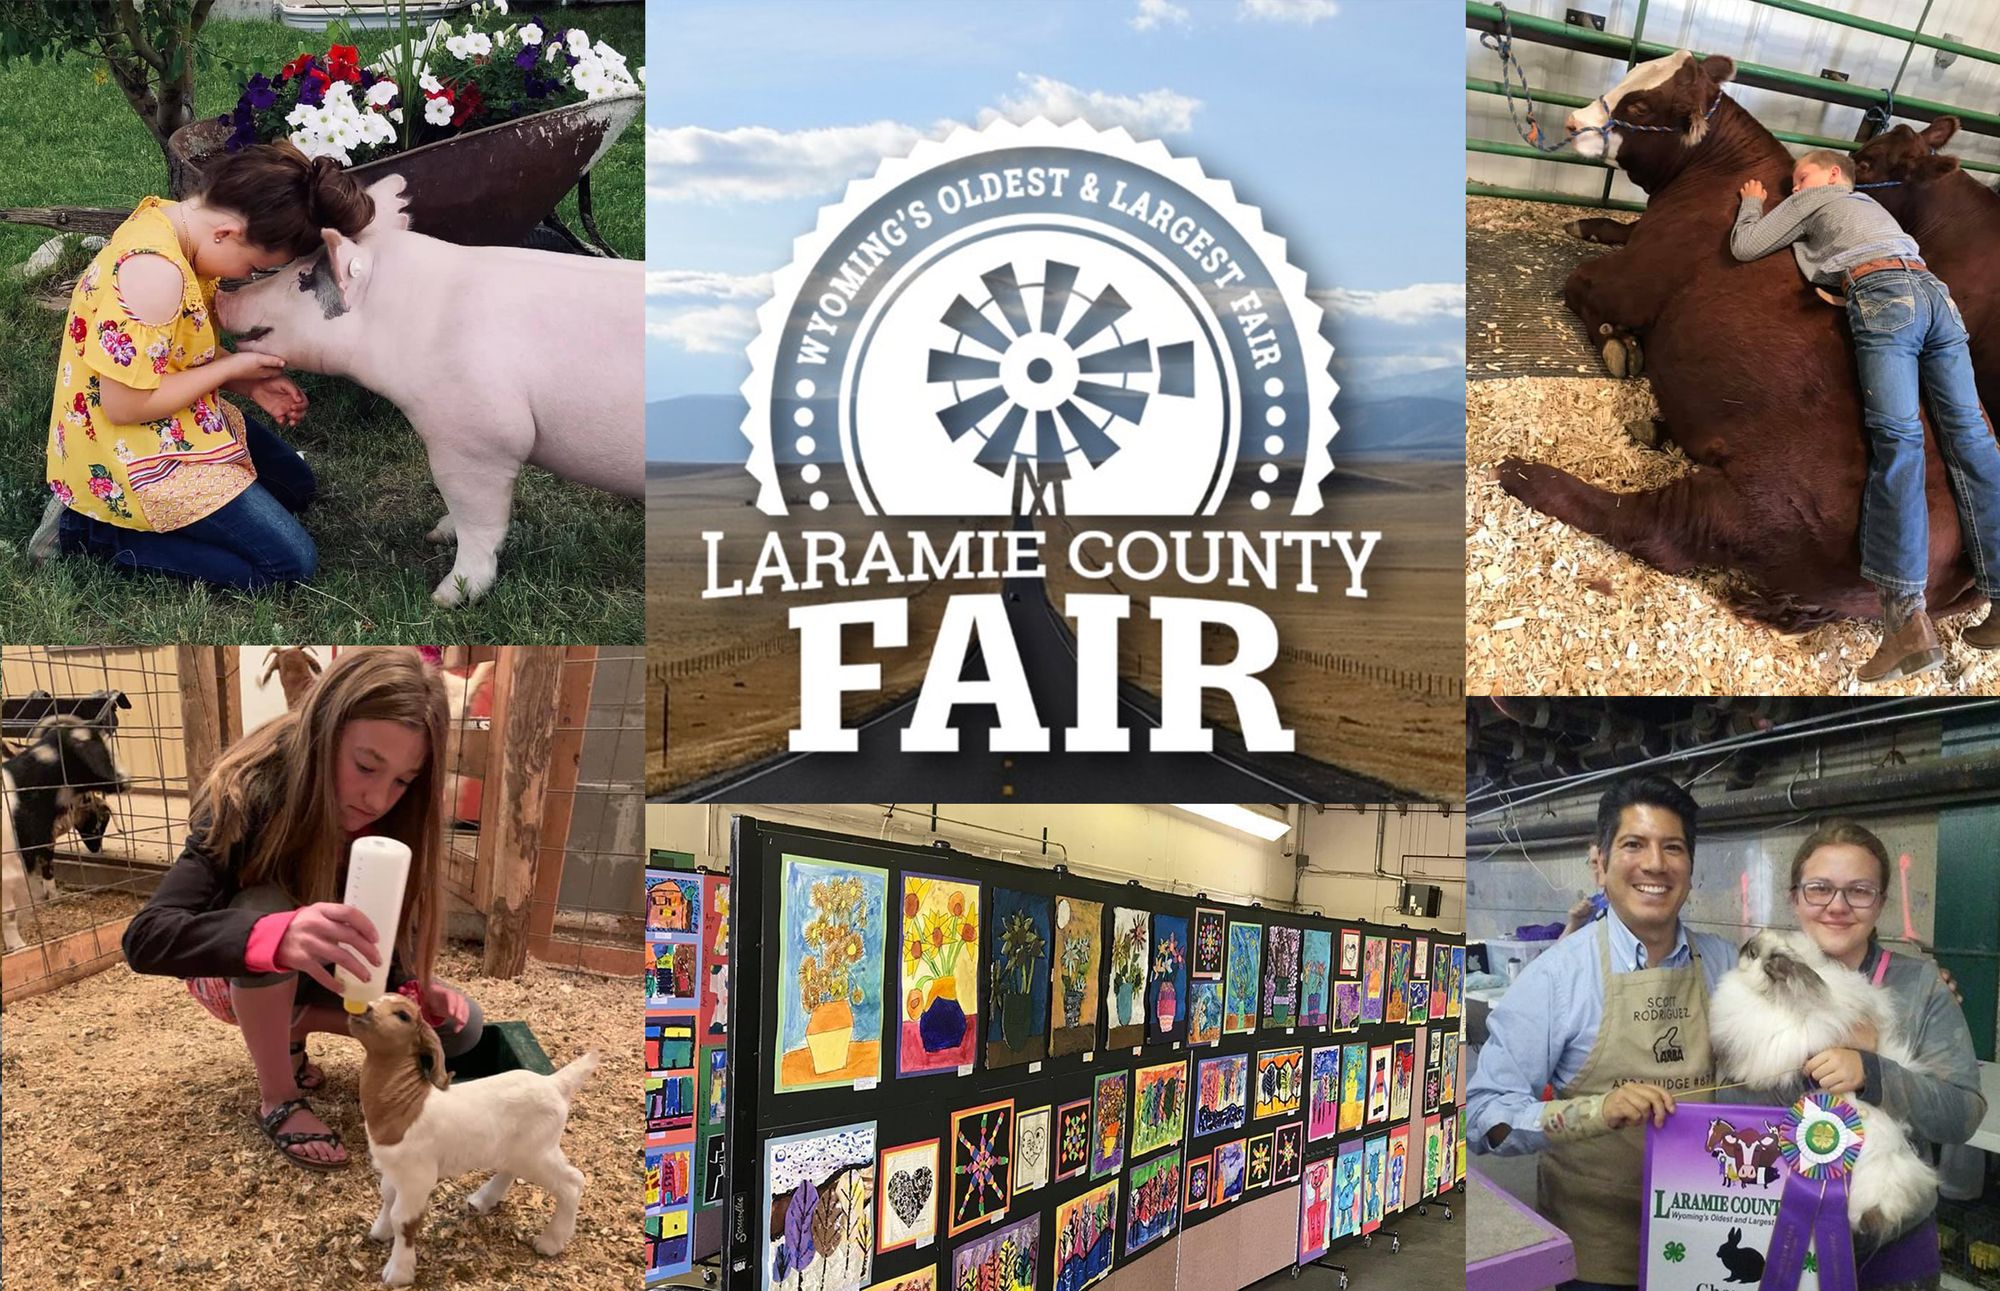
377, 870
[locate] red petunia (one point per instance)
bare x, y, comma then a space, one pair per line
469, 105
295, 67
343, 63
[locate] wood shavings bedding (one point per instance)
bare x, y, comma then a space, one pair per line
1552, 611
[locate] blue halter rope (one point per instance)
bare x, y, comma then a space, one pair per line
1502, 43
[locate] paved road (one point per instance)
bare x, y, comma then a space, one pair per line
880, 771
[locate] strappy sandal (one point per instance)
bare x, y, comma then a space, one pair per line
286, 1141
299, 1064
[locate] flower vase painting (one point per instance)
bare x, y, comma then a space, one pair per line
1204, 1020
1374, 978
1131, 952
1110, 1104
982, 1165
940, 983
1154, 1208
1315, 978
1396, 1008
1440, 981
819, 1211
1239, 996
1433, 1154
1159, 1108
1281, 977
1211, 932
1353, 1070
1166, 986
831, 951
1086, 1229
1018, 1005
1456, 997
1079, 955
1323, 1101
1007, 1259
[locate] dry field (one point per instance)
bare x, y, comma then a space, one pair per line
1551, 611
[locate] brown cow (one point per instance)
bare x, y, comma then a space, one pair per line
1755, 377
1955, 219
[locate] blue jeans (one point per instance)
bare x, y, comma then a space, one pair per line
1906, 330
250, 542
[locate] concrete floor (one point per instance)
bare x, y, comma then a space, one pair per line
1432, 1255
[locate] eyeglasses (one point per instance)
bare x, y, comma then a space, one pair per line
1860, 896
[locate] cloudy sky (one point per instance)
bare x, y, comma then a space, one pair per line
1340, 118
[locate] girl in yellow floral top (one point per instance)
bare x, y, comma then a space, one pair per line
149, 467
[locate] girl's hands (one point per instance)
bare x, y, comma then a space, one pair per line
441, 1001
246, 367
278, 395
1752, 188
328, 933
1835, 1071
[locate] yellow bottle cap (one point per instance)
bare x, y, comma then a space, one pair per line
354, 1006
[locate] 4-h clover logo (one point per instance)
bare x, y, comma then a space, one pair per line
1812, 1261
1675, 1252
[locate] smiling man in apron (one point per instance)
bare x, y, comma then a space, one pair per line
1616, 1019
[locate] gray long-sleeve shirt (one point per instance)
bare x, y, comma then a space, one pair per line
1830, 230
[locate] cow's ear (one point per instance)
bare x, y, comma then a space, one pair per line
1939, 132
1936, 166
1720, 68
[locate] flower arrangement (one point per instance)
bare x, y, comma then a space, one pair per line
1168, 956
466, 77
1077, 950
825, 977
1128, 958
1021, 946
933, 940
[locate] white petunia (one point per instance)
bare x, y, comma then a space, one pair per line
479, 43
458, 47
500, 6
608, 54
577, 40
531, 34
438, 112
428, 83
555, 51
380, 93
396, 115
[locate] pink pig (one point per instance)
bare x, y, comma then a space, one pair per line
497, 355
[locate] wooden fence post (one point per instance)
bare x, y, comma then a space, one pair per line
532, 676
201, 724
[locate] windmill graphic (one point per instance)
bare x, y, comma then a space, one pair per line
1005, 365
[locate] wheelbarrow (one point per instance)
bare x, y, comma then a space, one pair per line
494, 186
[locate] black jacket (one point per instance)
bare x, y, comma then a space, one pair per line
187, 929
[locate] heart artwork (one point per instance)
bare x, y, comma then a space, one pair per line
910, 1192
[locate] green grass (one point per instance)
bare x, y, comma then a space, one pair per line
573, 567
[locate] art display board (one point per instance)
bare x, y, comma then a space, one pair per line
1009, 1136
675, 1094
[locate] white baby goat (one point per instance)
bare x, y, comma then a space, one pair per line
422, 1128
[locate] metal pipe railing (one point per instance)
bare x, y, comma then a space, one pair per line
1475, 189
1824, 14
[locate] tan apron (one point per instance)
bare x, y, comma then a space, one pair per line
1655, 1030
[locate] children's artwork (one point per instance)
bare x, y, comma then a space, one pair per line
1210, 934
1436, 1047
1440, 981
673, 902
1433, 1154
1281, 977
1378, 1084
1393, 1194
669, 1177
1018, 1007
1204, 1013
1402, 1069
1448, 1128
1420, 964
715, 958
819, 1209
940, 982
1200, 1179
1079, 956
1347, 1202
1433, 1088
1316, 1210
1110, 1100
982, 1165
1153, 1209
1323, 1105
715, 1106
1166, 985
1457, 1004
1396, 1008
667, 1244
1222, 1094
669, 1044
669, 1102
1353, 1071
715, 1162
1159, 1110
671, 977
1085, 1233
921, 1280
1131, 949
1239, 996
907, 1198
1374, 977
1280, 1081
1350, 952
1420, 1000
1072, 1139
1032, 1149
1289, 1151
1458, 1169
1374, 1161
1231, 1166
1006, 1259
1258, 1172
1347, 1006
832, 918
1448, 1072
1316, 978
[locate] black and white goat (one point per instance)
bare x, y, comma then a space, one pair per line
56, 783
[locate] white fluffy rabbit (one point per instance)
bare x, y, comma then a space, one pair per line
1785, 1001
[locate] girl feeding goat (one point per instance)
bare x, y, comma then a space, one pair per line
250, 913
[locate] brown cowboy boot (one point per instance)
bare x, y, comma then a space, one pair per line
1909, 642
1985, 634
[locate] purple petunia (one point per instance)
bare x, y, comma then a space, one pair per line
260, 93
525, 60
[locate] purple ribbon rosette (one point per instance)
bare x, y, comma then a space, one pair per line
1821, 1140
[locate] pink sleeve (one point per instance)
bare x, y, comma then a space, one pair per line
260, 956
